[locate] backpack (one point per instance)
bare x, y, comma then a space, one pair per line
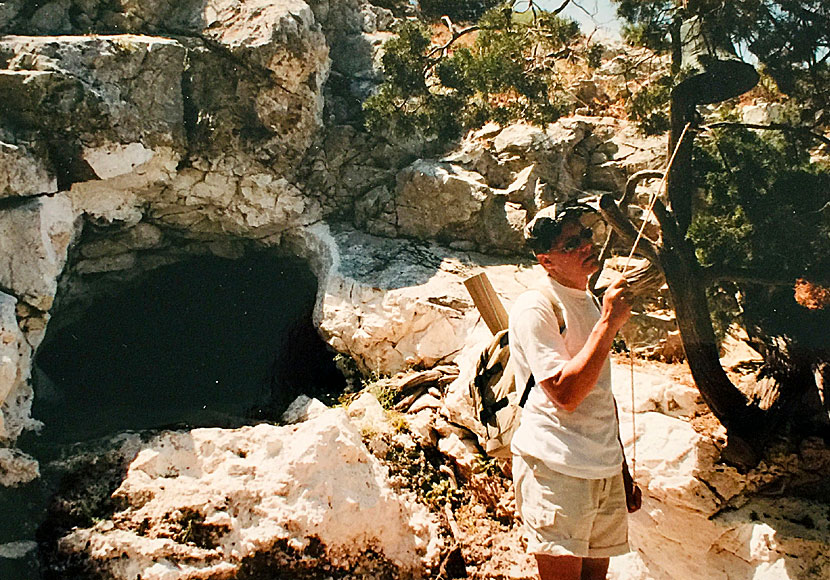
493, 389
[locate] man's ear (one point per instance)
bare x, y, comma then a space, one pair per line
544, 260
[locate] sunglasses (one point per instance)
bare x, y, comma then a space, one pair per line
577, 241
594, 230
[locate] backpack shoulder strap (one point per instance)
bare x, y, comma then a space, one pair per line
548, 293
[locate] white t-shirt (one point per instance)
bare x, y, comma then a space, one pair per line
582, 443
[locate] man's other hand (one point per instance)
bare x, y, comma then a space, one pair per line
633, 497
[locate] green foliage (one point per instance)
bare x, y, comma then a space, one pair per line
418, 469
764, 210
594, 55
507, 74
457, 10
649, 107
646, 34
487, 465
646, 23
789, 39
384, 392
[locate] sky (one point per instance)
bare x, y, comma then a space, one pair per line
591, 14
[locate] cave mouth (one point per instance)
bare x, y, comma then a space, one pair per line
204, 342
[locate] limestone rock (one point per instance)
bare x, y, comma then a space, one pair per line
463, 451
206, 502
366, 413
24, 172
108, 90
501, 154
34, 239
634, 152
283, 38
142, 236
15, 361
17, 468
668, 458
302, 409
764, 539
652, 392
392, 304
764, 113
257, 204
432, 197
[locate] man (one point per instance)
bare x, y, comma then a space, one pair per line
568, 464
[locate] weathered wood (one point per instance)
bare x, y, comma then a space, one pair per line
624, 228
743, 421
675, 257
628, 196
487, 302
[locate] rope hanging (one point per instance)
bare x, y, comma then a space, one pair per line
649, 211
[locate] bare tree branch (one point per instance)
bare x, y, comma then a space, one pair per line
562, 7
634, 181
456, 34
772, 127
623, 226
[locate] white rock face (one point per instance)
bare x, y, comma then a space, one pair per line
34, 239
652, 391
114, 159
426, 191
396, 303
686, 530
247, 491
15, 359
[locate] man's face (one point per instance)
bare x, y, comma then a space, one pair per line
574, 255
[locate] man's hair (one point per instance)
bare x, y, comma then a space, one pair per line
544, 229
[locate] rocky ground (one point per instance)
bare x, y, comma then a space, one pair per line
386, 486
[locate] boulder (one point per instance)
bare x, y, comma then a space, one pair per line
212, 502
501, 154
442, 201
691, 525
119, 95
653, 391
393, 304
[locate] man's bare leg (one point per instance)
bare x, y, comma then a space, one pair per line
571, 568
559, 567
594, 568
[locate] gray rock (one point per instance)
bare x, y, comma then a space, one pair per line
34, 240
24, 172
119, 89
15, 359
432, 196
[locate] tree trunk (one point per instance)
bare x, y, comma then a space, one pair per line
727, 403
676, 258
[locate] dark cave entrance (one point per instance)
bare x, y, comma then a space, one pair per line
204, 342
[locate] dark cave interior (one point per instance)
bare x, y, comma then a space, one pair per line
204, 342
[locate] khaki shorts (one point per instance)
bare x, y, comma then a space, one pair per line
570, 516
